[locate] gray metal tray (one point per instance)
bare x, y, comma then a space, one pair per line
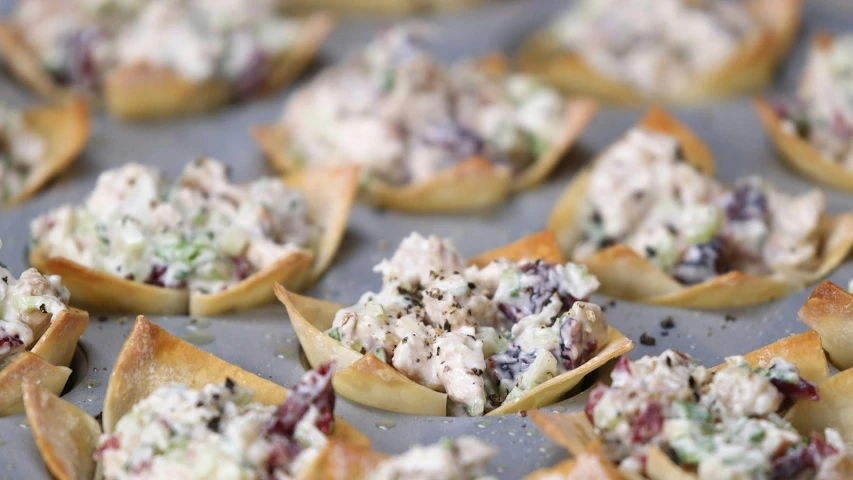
263, 340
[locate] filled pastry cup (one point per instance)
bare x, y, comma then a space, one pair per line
470, 184
64, 128
627, 275
67, 436
143, 92
575, 431
752, 66
46, 363
329, 194
798, 152
366, 379
829, 311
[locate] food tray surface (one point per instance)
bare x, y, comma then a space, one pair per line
263, 341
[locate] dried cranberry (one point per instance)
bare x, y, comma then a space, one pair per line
157, 274
576, 346
9, 342
111, 443
252, 78
623, 365
820, 449
594, 397
457, 140
242, 267
532, 299
746, 202
314, 389
647, 424
803, 389
81, 68
509, 364
793, 463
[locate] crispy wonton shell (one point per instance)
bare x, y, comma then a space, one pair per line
799, 152
575, 432
751, 67
65, 130
329, 194
142, 92
45, 363
150, 358
829, 311
471, 184
367, 380
625, 274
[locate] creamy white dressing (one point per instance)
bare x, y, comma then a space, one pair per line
822, 112
723, 425
484, 336
202, 232
211, 433
21, 150
644, 194
656, 46
463, 458
397, 111
28, 305
81, 40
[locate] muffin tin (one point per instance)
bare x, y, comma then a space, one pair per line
263, 341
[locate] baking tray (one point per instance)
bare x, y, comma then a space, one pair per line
263, 341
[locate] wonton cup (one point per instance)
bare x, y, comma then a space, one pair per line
749, 68
329, 194
575, 432
64, 128
46, 362
627, 275
367, 380
799, 152
151, 357
143, 92
829, 311
470, 184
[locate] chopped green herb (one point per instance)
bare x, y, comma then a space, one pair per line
380, 354
335, 333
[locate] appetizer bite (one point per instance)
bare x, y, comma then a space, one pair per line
428, 138
655, 226
37, 144
680, 51
814, 130
38, 334
202, 244
159, 58
174, 411
667, 417
509, 330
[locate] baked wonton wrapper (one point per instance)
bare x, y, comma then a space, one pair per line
575, 432
367, 380
142, 92
751, 67
799, 152
829, 311
470, 184
150, 358
46, 362
625, 274
64, 128
329, 194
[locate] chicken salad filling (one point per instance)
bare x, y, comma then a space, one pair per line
21, 150
202, 232
687, 223
656, 46
28, 305
485, 336
463, 458
218, 432
80, 41
822, 112
394, 109
724, 424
